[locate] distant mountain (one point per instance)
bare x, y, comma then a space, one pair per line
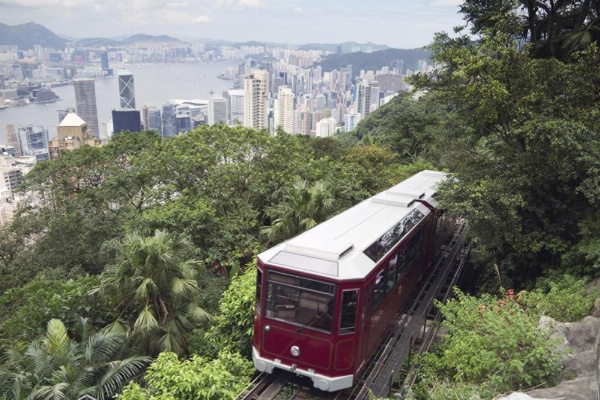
149, 38
375, 60
346, 47
98, 41
29, 34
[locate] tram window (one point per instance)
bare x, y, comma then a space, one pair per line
300, 301
410, 253
379, 288
349, 311
258, 288
391, 273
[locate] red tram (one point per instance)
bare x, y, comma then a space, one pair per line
327, 297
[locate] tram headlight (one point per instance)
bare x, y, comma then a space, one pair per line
295, 350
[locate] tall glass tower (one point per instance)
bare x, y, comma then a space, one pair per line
85, 101
126, 90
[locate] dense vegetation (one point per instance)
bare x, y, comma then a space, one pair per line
145, 246
375, 60
143, 236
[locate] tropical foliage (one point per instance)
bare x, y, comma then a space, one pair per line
525, 159
57, 367
493, 344
195, 379
154, 280
233, 327
303, 207
25, 311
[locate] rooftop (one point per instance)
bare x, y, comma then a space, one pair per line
72, 119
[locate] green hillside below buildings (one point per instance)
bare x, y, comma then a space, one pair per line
375, 60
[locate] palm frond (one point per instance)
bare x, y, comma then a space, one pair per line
146, 321
198, 314
118, 374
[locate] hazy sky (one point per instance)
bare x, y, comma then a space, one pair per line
397, 23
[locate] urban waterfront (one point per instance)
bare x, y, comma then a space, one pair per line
154, 84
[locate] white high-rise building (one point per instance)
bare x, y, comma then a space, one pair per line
283, 109
350, 121
236, 106
325, 127
256, 107
217, 110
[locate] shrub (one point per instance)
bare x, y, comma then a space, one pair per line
493, 343
564, 298
168, 378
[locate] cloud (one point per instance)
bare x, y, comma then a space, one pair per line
164, 16
298, 10
251, 3
201, 19
36, 4
447, 3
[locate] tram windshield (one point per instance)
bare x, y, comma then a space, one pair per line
300, 301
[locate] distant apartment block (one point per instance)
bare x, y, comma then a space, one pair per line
283, 109
217, 110
256, 107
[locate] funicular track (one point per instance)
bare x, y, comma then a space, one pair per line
413, 331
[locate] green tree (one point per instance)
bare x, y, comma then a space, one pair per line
233, 326
25, 311
522, 139
374, 167
58, 367
553, 28
155, 281
304, 206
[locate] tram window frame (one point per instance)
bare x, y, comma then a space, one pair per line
410, 251
301, 301
379, 287
351, 305
258, 297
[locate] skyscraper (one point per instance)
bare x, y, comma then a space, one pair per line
104, 60
217, 110
284, 109
236, 106
126, 89
256, 89
85, 101
126, 120
151, 119
169, 123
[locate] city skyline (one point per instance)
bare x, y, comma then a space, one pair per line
396, 23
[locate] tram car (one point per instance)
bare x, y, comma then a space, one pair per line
326, 298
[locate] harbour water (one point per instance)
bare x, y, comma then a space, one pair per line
155, 84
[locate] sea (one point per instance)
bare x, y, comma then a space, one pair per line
155, 84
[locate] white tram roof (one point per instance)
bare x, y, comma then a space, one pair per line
336, 247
